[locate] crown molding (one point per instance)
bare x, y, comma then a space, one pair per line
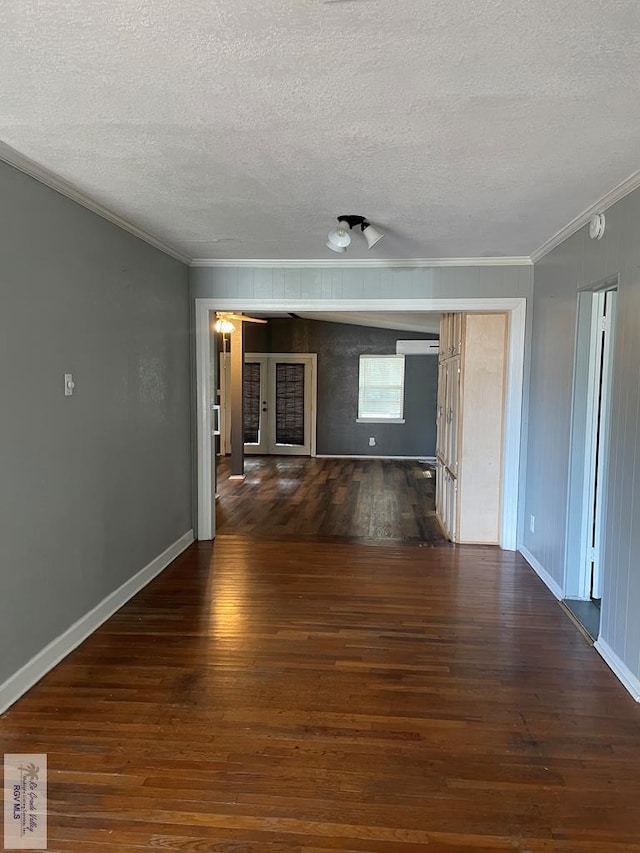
353, 263
627, 186
55, 182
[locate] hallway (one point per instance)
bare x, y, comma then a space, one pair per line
346, 499
265, 695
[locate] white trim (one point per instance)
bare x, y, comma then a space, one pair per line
618, 667
380, 421
24, 679
206, 509
543, 574
513, 393
366, 263
426, 459
55, 182
616, 194
437, 306
514, 390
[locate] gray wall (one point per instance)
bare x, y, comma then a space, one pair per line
577, 263
339, 347
94, 486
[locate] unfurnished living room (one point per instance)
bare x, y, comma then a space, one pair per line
319, 444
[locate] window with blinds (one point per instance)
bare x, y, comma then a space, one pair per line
381, 388
251, 402
289, 404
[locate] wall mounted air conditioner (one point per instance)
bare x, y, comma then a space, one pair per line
417, 347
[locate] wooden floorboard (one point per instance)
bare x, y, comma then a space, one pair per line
265, 695
368, 500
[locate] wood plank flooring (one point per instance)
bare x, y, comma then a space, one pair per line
354, 499
324, 696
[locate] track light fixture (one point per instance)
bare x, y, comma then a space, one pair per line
339, 238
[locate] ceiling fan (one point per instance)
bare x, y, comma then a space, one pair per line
224, 321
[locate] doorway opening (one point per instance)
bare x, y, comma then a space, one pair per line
510, 456
368, 414
593, 375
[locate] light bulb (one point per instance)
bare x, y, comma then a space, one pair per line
340, 236
224, 326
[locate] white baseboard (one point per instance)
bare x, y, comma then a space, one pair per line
619, 668
429, 459
542, 573
24, 679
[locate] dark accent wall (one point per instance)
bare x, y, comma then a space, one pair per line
339, 347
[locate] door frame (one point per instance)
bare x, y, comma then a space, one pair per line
515, 307
577, 573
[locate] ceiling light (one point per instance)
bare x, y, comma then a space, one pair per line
371, 234
339, 238
224, 326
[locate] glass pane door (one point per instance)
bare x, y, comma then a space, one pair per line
289, 404
251, 402
254, 405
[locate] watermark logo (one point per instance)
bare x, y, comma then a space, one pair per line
25, 802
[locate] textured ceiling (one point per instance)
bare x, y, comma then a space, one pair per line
240, 129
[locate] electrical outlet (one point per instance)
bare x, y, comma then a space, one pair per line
372, 441
532, 523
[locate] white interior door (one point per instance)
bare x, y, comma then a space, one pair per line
289, 407
604, 314
279, 398
279, 404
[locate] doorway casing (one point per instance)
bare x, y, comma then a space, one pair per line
514, 306
589, 442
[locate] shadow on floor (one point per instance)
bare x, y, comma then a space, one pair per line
586, 614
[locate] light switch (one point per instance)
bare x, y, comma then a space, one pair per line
69, 384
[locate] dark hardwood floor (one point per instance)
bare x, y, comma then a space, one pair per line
273, 696
353, 499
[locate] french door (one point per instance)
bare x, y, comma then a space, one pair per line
279, 403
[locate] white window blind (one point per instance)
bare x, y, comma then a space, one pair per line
381, 388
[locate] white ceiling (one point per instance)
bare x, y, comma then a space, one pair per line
240, 129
